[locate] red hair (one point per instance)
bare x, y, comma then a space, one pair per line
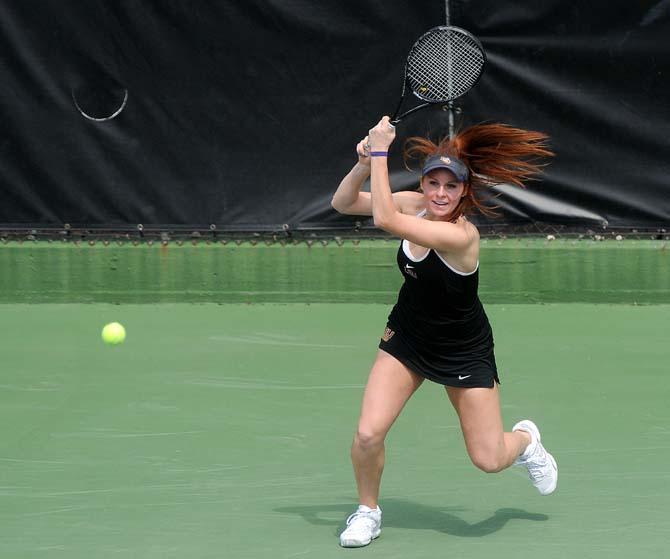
494, 153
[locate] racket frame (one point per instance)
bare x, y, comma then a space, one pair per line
395, 119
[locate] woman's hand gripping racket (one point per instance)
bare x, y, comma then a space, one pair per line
443, 64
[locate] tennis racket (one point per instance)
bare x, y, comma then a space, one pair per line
442, 65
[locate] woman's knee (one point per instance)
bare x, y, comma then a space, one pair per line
368, 438
486, 461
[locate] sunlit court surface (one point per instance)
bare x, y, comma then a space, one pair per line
224, 429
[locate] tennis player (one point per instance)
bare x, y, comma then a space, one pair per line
438, 329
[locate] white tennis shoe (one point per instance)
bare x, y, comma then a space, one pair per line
363, 526
542, 468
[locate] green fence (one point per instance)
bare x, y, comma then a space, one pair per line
512, 271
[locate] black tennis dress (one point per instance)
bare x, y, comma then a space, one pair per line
438, 327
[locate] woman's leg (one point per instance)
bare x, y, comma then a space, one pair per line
389, 386
489, 448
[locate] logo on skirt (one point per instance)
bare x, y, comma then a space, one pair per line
388, 334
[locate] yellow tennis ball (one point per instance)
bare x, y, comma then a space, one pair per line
113, 333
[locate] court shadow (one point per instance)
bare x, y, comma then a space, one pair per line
399, 513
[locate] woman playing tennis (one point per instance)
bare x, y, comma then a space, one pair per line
438, 329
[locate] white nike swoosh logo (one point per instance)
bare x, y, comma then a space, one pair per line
408, 267
463, 377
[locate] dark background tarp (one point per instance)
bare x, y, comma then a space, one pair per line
245, 113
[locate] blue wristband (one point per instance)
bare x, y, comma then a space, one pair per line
379, 154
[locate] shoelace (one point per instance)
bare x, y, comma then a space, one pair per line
364, 519
537, 466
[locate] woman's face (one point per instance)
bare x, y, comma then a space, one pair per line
442, 192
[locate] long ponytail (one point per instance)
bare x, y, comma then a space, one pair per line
494, 153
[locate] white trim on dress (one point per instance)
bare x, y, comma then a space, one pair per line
408, 254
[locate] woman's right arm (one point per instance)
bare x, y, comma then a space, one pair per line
348, 198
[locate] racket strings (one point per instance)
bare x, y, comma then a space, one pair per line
446, 70
444, 66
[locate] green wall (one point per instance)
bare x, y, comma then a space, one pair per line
512, 271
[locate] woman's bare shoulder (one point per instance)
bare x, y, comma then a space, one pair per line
408, 202
470, 227
466, 258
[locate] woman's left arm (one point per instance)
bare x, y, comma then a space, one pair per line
438, 235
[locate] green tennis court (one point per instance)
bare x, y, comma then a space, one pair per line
223, 430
